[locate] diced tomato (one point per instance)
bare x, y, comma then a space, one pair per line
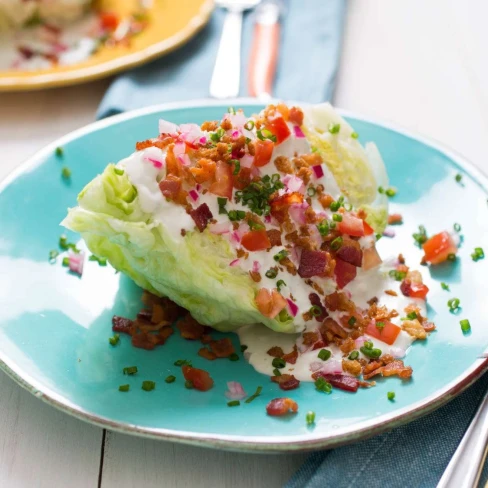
242, 179
200, 379
368, 230
262, 152
438, 248
352, 226
281, 406
222, 185
344, 272
388, 333
256, 240
414, 290
109, 21
279, 128
269, 302
296, 115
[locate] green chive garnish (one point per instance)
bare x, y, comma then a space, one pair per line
310, 418
337, 217
130, 370
233, 403
323, 228
324, 354
258, 391
148, 385
451, 257
182, 362
453, 304
243, 347
477, 254
335, 206
315, 311
336, 243
281, 255
114, 340
352, 321
380, 325
445, 286
354, 135
276, 372
65, 172
421, 236
459, 177
233, 357
397, 275
391, 395
237, 166
390, 192
279, 284
278, 363
118, 171
65, 262
457, 227
334, 128
411, 316
311, 191
188, 384
59, 152
465, 325
322, 385
249, 125
271, 273
369, 351
354, 355
381, 190
170, 379
53, 254
124, 387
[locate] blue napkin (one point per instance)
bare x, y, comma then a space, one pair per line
309, 53
414, 455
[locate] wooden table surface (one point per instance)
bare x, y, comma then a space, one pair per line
421, 64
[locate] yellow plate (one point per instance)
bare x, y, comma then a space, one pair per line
173, 22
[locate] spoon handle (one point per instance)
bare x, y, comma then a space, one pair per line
464, 469
226, 74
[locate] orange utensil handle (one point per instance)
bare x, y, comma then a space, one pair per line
264, 55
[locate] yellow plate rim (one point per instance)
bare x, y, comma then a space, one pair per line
11, 83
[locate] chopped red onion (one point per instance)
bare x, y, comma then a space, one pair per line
235, 262
155, 162
397, 352
295, 255
332, 366
294, 183
256, 266
243, 229
202, 140
166, 127
315, 235
360, 342
235, 134
297, 212
221, 228
246, 161
316, 365
76, 262
298, 132
235, 391
267, 219
198, 187
389, 233
238, 119
292, 307
184, 159
255, 173
193, 195
318, 170
235, 238
191, 133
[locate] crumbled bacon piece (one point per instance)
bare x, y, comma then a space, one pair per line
275, 352
286, 381
206, 338
161, 143
210, 125
274, 236
284, 165
281, 406
394, 368
222, 348
325, 200
351, 366
255, 276
122, 325
351, 252
201, 215
348, 346
207, 354
190, 329
332, 326
310, 338
414, 329
395, 219
341, 381
393, 293
296, 115
312, 263
292, 356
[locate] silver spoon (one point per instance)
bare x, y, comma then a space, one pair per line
226, 74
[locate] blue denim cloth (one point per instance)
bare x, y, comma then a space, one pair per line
412, 456
309, 53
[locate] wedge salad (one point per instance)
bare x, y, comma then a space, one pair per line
265, 225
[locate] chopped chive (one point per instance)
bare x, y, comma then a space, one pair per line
65, 262
477, 254
249, 125
412, 316
465, 325
334, 128
231, 110
391, 395
370, 352
335, 206
130, 370
217, 135
233, 403
258, 391
222, 202
170, 379
182, 362
368, 344
445, 286
278, 363
380, 325
233, 357
457, 227
390, 192
354, 135
315, 311
63, 242
271, 273
276, 372
59, 152
264, 134
322, 385
243, 347
354, 355
311, 191
459, 177
148, 385
337, 217
281, 255
65, 172
235, 215
451, 257
188, 384
323, 227
118, 171
310, 418
381, 190
53, 254
279, 284
336, 243
124, 387
324, 354
352, 321
237, 166
397, 275
114, 340
453, 304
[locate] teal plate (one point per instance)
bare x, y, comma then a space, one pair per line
54, 326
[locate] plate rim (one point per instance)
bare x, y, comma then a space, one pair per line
15, 83
264, 444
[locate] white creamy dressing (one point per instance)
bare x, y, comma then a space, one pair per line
145, 176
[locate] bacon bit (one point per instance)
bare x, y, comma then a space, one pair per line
395, 219
144, 315
325, 200
348, 346
366, 384
414, 329
341, 381
183, 232
283, 110
204, 171
372, 301
281, 406
255, 276
312, 263
290, 267
280, 204
401, 259
428, 326
206, 338
199, 378
339, 301
122, 325
394, 368
160, 143
207, 354
190, 329
171, 188
201, 215
274, 236
286, 381
275, 352
351, 252
344, 272
393, 293
226, 124
284, 165
296, 115
352, 367
210, 125
291, 357
145, 340
222, 348
334, 327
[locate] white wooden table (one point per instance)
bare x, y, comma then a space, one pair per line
419, 63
